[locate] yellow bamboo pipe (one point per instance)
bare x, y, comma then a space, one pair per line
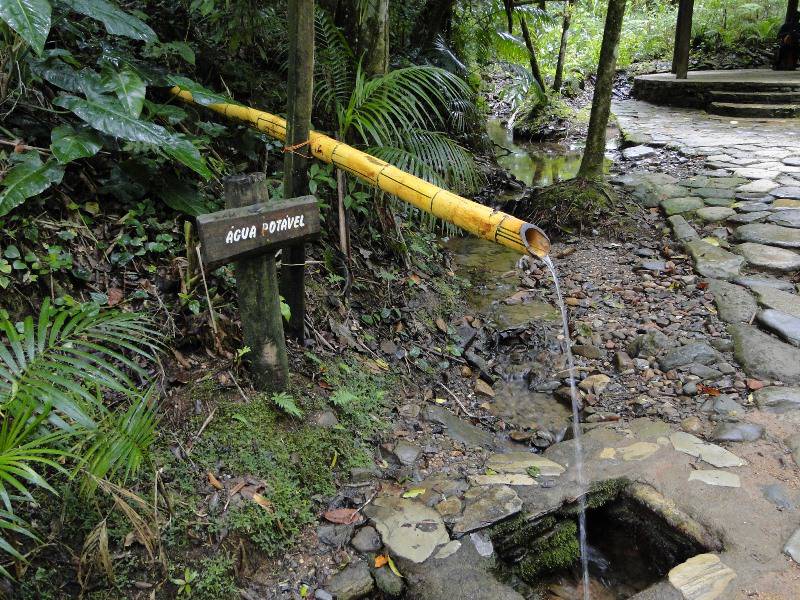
476, 218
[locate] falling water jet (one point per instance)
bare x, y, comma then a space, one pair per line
576, 428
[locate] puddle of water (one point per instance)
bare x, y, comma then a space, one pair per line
537, 165
492, 270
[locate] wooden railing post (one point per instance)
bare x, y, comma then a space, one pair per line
259, 298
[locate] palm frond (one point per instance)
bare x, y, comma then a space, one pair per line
434, 157
119, 446
333, 63
69, 353
383, 109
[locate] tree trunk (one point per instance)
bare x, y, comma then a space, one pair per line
537, 74
791, 12
683, 39
508, 5
295, 166
562, 50
259, 300
433, 20
593, 157
373, 38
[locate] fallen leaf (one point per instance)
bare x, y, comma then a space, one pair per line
441, 325
414, 492
115, 296
393, 566
382, 364
381, 560
341, 516
263, 502
708, 390
214, 481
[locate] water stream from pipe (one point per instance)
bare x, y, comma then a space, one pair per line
576, 430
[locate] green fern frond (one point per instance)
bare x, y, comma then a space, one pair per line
119, 446
434, 157
69, 353
343, 397
287, 404
333, 63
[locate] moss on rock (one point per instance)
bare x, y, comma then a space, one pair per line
557, 550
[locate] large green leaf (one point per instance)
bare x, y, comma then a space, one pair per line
29, 18
67, 144
110, 116
115, 20
27, 179
129, 88
200, 94
183, 197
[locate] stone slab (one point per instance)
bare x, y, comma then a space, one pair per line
785, 326
778, 399
768, 257
714, 455
409, 529
763, 356
712, 261
702, 577
767, 233
734, 303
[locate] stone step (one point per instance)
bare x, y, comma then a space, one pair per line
754, 111
744, 97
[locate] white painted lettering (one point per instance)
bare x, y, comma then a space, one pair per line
229, 237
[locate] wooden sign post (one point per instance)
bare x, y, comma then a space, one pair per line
249, 232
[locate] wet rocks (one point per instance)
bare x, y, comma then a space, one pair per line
408, 528
681, 228
675, 206
352, 583
595, 384
637, 152
768, 257
521, 462
737, 432
791, 192
786, 218
458, 429
716, 477
792, 547
649, 344
696, 352
702, 577
763, 356
366, 540
734, 303
485, 506
710, 453
587, 351
387, 582
712, 214
712, 261
406, 452
779, 300
786, 326
777, 399
767, 233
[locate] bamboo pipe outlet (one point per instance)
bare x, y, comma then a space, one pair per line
476, 218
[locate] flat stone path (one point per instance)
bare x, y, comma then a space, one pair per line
732, 217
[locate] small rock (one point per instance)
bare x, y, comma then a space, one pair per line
692, 425
406, 452
696, 352
408, 528
622, 361
352, 583
367, 540
483, 389
595, 383
335, 536
520, 462
716, 477
649, 344
792, 547
637, 152
587, 351
786, 326
702, 577
387, 582
777, 495
325, 419
323, 595
449, 507
723, 405
778, 399
737, 432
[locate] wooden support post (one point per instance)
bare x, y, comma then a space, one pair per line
295, 166
791, 12
683, 39
259, 299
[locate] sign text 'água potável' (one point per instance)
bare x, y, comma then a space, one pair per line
239, 232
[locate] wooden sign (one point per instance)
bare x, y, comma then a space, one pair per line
236, 233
